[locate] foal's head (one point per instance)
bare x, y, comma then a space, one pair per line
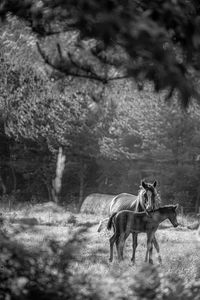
149, 195
172, 210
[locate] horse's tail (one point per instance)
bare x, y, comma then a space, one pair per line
109, 225
101, 224
99, 227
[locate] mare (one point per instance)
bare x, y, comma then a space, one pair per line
126, 222
146, 200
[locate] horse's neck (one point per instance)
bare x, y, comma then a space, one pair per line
157, 200
139, 202
157, 216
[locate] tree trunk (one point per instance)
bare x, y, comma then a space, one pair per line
14, 178
54, 193
57, 182
197, 202
13, 172
49, 189
49, 192
81, 187
2, 185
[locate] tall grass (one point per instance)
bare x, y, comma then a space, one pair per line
61, 247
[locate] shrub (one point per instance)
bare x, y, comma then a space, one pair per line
41, 275
150, 283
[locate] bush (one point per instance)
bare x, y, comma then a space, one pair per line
41, 275
150, 283
47, 274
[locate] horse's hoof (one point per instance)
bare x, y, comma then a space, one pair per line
151, 262
133, 260
160, 261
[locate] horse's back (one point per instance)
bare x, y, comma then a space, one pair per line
123, 201
134, 222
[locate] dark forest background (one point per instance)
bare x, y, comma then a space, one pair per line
66, 85
110, 144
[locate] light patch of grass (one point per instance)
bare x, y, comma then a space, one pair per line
186, 220
50, 217
178, 246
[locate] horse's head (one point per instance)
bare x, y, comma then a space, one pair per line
173, 216
149, 195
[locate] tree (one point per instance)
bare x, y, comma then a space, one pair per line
43, 113
155, 40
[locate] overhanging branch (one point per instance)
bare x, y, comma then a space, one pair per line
72, 68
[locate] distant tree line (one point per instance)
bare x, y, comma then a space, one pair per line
112, 135
108, 40
107, 151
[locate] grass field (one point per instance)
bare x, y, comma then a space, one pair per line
179, 249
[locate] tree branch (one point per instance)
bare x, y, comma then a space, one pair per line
65, 68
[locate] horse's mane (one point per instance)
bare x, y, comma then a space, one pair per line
139, 199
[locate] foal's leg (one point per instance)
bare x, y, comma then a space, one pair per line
157, 249
120, 246
134, 244
112, 241
150, 253
150, 236
117, 242
147, 251
123, 240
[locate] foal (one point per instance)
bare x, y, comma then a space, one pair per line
126, 222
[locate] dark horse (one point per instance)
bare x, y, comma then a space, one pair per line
146, 200
126, 222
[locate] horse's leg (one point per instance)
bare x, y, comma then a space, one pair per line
157, 249
101, 224
149, 251
134, 245
117, 242
120, 245
123, 240
112, 241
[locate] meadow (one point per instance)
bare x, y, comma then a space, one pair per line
179, 249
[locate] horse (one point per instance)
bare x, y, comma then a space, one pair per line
147, 199
126, 222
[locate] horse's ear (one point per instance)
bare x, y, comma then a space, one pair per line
176, 206
155, 184
143, 184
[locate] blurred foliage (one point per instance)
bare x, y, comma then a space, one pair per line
107, 40
112, 135
48, 274
43, 274
151, 283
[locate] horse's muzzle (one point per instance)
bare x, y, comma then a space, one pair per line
176, 225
